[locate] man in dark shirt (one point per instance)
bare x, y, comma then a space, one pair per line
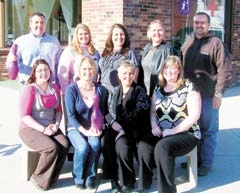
207, 64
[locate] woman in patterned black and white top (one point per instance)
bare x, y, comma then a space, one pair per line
175, 110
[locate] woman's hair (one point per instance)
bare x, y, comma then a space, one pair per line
89, 61
32, 77
171, 61
109, 43
150, 26
75, 42
126, 64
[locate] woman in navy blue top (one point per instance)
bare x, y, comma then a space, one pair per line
85, 101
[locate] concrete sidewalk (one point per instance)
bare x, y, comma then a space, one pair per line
224, 177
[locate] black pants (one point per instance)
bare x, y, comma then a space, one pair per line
110, 167
162, 152
125, 149
118, 158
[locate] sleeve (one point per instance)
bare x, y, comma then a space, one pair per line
134, 58
224, 69
142, 105
65, 69
70, 100
26, 100
108, 116
59, 107
104, 99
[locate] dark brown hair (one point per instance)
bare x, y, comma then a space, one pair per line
109, 43
32, 77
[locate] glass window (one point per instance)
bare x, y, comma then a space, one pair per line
59, 15
183, 18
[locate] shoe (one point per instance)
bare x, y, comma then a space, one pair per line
37, 185
53, 183
203, 171
116, 188
91, 186
127, 189
80, 186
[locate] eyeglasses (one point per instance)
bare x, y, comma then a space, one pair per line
42, 70
200, 22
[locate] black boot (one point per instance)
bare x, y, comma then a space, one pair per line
115, 186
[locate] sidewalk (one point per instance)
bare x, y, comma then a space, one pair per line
224, 178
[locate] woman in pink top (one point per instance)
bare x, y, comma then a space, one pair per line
41, 113
81, 45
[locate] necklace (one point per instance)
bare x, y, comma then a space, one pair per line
42, 90
86, 89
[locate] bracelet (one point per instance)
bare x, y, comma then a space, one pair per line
219, 95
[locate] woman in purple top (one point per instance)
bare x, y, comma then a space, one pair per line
82, 130
41, 113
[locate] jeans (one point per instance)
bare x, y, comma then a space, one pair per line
86, 156
209, 124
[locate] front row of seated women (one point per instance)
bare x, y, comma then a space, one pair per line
172, 131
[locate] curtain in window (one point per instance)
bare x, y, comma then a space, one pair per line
44, 6
21, 10
67, 8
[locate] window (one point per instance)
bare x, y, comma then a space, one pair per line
61, 16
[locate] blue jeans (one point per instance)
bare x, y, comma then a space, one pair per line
86, 156
209, 124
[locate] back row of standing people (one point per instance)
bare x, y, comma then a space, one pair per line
117, 49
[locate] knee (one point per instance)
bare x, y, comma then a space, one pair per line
64, 145
81, 149
95, 144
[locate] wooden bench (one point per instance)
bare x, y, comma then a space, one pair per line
29, 161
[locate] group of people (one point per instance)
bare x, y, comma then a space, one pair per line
151, 109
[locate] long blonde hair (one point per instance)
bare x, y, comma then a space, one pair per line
75, 43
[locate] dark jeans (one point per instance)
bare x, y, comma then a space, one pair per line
53, 151
209, 124
164, 151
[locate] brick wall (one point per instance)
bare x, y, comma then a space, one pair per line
3, 70
136, 15
235, 48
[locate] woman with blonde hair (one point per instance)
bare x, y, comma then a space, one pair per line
153, 55
175, 110
82, 45
85, 102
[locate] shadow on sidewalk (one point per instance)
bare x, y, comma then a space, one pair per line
6, 150
226, 166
